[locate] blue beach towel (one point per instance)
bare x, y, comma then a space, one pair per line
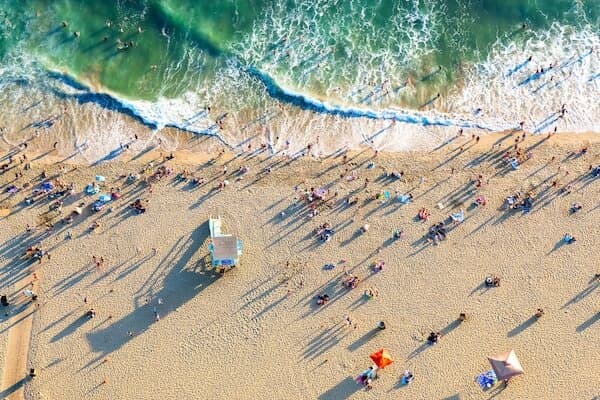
404, 198
91, 189
486, 380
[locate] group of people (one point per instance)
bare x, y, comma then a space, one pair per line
437, 233
515, 202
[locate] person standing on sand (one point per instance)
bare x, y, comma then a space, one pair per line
347, 320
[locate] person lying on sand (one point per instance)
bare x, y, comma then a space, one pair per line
322, 299
350, 281
575, 207
423, 214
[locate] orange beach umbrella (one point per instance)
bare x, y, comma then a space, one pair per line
381, 358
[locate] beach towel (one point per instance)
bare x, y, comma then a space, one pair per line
98, 205
458, 217
404, 198
91, 189
486, 380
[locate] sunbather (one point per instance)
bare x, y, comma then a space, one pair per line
322, 299
351, 281
458, 217
575, 207
480, 201
405, 198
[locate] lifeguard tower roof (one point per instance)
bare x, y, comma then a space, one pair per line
225, 247
225, 250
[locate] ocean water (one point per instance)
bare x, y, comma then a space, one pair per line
392, 74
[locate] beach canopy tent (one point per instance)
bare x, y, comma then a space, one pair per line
225, 250
381, 358
506, 365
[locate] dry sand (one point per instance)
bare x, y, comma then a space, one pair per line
256, 331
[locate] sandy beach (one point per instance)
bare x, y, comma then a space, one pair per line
167, 326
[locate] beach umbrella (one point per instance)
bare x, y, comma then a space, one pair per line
105, 198
381, 358
506, 365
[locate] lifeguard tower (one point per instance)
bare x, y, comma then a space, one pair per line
225, 250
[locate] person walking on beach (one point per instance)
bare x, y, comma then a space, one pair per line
347, 320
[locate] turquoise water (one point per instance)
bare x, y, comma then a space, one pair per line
167, 59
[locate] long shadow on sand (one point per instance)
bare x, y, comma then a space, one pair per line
324, 341
522, 326
182, 281
364, 339
341, 391
589, 322
71, 328
13, 388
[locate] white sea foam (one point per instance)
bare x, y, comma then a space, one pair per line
264, 104
506, 86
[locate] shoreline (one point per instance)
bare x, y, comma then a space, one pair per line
190, 157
